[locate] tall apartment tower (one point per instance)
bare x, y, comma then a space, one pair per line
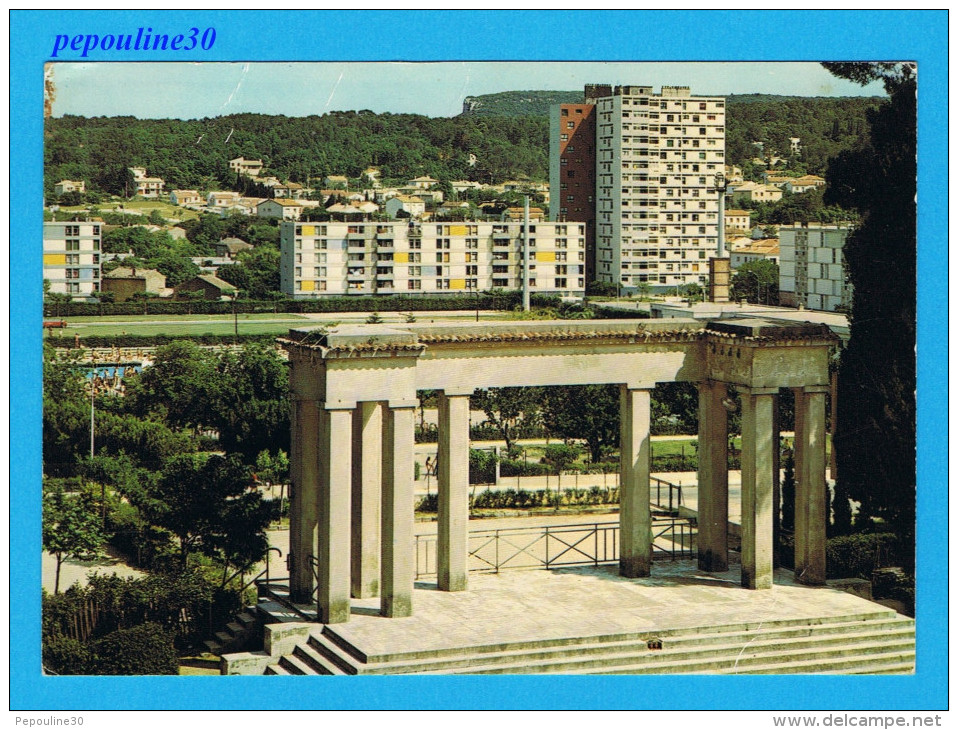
656, 157
572, 171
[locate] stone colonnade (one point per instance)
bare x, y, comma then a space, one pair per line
351, 525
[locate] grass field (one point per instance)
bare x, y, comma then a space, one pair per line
141, 206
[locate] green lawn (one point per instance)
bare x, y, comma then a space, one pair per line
140, 206
218, 327
146, 318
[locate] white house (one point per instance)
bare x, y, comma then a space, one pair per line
412, 205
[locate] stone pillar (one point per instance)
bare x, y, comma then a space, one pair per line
810, 512
776, 477
833, 461
635, 517
304, 498
398, 540
713, 477
757, 545
335, 491
366, 486
453, 528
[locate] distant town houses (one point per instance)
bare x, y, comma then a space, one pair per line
737, 220
147, 187
208, 285
283, 208
289, 190
804, 184
336, 181
413, 206
185, 197
249, 168
230, 247
69, 186
222, 198
764, 249
127, 282
756, 192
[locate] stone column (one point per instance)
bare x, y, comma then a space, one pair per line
366, 486
398, 541
453, 528
757, 486
776, 477
304, 498
335, 491
810, 512
635, 517
713, 477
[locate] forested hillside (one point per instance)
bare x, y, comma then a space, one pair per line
517, 103
194, 153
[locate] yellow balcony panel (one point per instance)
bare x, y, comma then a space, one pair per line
457, 283
309, 230
401, 257
54, 259
308, 286
545, 255
458, 230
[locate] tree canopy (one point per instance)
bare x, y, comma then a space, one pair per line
875, 438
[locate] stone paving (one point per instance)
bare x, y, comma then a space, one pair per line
538, 605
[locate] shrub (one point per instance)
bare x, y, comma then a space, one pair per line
143, 649
63, 655
482, 467
857, 556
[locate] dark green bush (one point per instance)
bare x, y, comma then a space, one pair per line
482, 467
144, 649
63, 655
857, 556
386, 303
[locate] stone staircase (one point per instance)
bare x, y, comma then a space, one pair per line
877, 642
235, 636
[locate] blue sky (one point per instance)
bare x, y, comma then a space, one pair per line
196, 90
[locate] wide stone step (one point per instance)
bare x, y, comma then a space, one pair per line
581, 656
213, 646
718, 633
335, 656
318, 663
236, 629
247, 619
276, 669
294, 665
711, 658
856, 658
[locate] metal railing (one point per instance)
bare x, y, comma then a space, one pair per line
673, 497
491, 551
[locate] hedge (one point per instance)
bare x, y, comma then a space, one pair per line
135, 341
529, 498
385, 303
144, 649
848, 556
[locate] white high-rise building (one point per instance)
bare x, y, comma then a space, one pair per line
657, 208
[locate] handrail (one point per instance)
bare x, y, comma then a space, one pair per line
551, 547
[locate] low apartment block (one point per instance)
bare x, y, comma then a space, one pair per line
323, 259
71, 257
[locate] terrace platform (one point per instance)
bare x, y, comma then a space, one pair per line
591, 620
